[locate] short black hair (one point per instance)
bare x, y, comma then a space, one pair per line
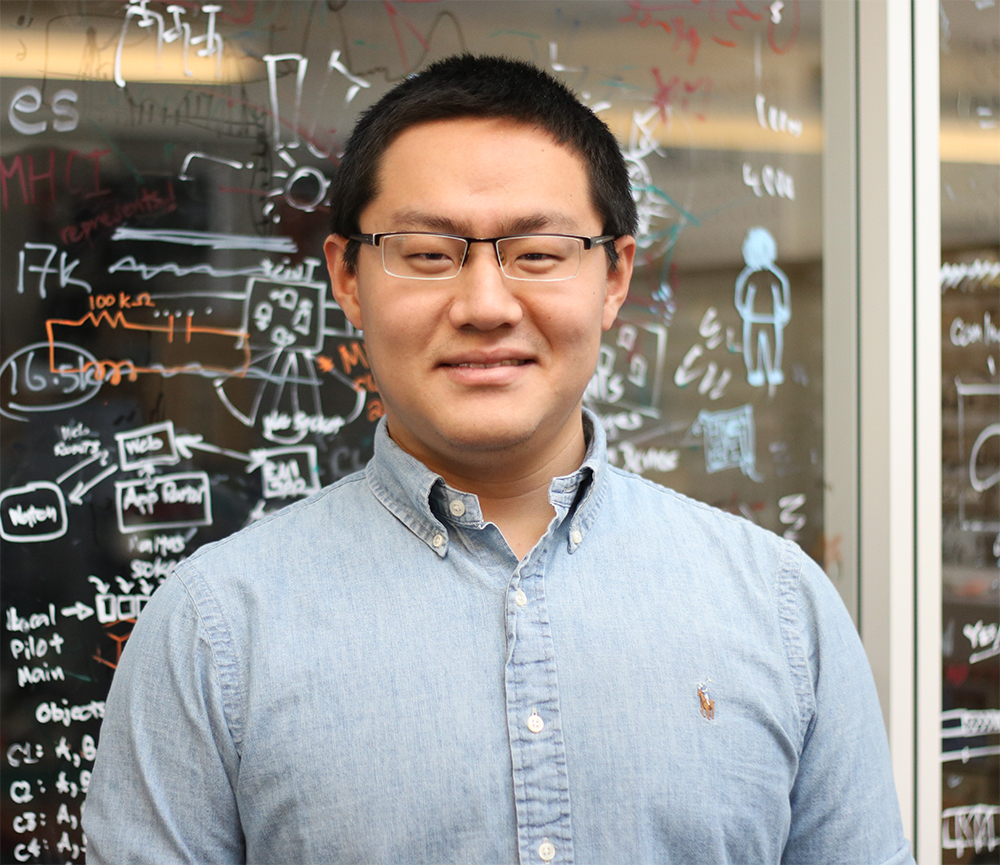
489, 87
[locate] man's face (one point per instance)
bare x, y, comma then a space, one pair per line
479, 367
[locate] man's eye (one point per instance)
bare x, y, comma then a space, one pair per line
537, 263
538, 257
430, 255
422, 256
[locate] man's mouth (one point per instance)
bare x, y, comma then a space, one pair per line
511, 362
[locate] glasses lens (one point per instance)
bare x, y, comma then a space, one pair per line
541, 256
422, 256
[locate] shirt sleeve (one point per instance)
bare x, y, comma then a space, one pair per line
844, 804
163, 786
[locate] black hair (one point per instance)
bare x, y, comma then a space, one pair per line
488, 87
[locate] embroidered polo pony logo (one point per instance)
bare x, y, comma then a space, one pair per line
707, 703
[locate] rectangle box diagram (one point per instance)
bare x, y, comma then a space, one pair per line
288, 472
630, 369
146, 446
729, 440
978, 445
114, 608
289, 315
32, 513
165, 502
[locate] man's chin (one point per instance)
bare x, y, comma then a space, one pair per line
469, 439
495, 439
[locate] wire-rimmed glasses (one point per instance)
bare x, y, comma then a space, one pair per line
531, 257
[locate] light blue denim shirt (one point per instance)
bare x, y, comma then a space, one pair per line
372, 676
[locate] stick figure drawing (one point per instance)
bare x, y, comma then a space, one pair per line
762, 326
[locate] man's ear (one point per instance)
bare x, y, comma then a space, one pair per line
343, 282
616, 287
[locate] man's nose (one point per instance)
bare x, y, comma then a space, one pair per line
485, 299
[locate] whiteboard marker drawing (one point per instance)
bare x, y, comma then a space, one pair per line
44, 377
972, 826
210, 239
28, 100
980, 479
969, 275
763, 326
164, 502
286, 321
642, 460
776, 119
356, 83
729, 440
33, 513
773, 181
287, 471
146, 19
980, 484
986, 638
64, 271
790, 516
211, 38
149, 445
712, 382
971, 723
629, 369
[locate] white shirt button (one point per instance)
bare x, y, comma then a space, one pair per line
536, 725
457, 507
575, 536
520, 598
547, 850
437, 540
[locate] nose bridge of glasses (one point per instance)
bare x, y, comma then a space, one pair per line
492, 253
492, 241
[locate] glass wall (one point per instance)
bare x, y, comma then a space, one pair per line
173, 367
970, 357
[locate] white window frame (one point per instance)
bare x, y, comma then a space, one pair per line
881, 319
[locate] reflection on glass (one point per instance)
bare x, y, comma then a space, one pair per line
166, 171
970, 357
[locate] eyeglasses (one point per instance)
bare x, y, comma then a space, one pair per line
532, 257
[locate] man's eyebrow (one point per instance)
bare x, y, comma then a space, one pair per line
540, 222
415, 220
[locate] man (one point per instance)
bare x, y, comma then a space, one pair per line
491, 646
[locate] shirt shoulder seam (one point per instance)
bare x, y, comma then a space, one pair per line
788, 577
218, 636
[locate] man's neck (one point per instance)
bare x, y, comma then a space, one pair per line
513, 487
519, 506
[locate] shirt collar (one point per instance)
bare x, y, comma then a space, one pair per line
423, 502
578, 496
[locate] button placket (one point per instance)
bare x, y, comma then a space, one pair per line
538, 752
